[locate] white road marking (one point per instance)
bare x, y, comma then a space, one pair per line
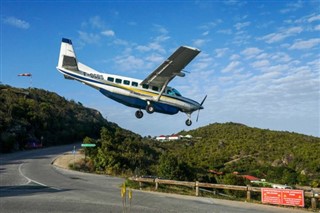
33, 181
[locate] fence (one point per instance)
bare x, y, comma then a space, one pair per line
313, 193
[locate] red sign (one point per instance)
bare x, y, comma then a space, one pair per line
282, 196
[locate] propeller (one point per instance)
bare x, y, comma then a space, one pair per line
201, 106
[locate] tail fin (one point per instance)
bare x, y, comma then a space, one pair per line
67, 57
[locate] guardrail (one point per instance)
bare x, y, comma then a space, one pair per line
314, 193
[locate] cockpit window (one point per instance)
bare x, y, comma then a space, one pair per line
173, 92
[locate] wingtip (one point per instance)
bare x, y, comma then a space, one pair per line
66, 40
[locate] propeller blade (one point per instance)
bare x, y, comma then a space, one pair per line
203, 100
198, 115
201, 106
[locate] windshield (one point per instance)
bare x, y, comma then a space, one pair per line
176, 92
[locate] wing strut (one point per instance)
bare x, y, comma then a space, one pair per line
162, 89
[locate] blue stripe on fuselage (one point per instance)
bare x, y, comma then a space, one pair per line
140, 104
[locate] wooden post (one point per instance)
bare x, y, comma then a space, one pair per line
248, 193
140, 185
197, 188
313, 203
157, 184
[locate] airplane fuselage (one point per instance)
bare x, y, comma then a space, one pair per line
129, 92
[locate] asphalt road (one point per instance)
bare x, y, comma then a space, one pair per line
29, 183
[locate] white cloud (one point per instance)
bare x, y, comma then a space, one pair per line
109, 33
156, 44
251, 52
200, 42
160, 29
261, 63
205, 33
152, 46
262, 56
225, 31
89, 38
231, 66
241, 25
317, 28
279, 36
221, 52
15, 22
210, 25
314, 18
233, 3
203, 62
280, 57
155, 58
292, 7
95, 22
129, 63
306, 44
234, 57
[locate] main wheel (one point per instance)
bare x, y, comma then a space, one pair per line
139, 114
188, 122
150, 109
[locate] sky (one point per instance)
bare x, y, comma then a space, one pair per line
259, 62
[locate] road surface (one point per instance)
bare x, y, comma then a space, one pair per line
29, 183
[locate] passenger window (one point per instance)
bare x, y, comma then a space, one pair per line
145, 86
119, 81
110, 79
135, 84
126, 82
155, 88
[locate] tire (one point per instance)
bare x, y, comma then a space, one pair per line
150, 109
139, 114
188, 122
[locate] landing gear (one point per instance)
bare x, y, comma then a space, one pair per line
149, 108
188, 122
139, 114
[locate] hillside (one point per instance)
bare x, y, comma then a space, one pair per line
43, 117
284, 157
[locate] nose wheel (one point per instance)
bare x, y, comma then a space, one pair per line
188, 122
139, 114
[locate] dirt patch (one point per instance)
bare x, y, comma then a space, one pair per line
63, 161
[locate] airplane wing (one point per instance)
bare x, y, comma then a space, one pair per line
172, 67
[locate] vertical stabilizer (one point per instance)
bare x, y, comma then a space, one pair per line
67, 57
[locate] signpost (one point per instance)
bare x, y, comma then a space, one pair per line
287, 197
74, 155
88, 145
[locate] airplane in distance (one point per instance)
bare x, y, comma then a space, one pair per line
151, 94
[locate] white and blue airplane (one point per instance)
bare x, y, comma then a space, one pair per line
151, 94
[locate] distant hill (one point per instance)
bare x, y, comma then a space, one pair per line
285, 157
44, 117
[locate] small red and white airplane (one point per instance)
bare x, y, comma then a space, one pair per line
25, 74
151, 94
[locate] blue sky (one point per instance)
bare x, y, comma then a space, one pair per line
259, 60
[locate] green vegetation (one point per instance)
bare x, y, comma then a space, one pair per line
278, 157
281, 157
43, 117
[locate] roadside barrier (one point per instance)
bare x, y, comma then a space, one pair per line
313, 193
